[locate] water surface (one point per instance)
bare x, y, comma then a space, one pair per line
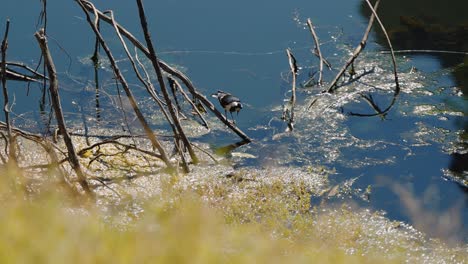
240, 47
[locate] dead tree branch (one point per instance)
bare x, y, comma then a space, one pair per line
151, 136
288, 113
6, 102
395, 70
333, 85
170, 70
317, 50
147, 83
53, 88
176, 85
154, 60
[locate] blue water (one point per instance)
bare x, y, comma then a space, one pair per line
240, 47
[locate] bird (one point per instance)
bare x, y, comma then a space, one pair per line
228, 102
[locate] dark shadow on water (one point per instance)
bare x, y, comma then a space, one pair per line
226, 150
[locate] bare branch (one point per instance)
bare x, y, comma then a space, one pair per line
164, 66
317, 49
73, 158
154, 60
152, 137
356, 53
6, 106
395, 70
289, 112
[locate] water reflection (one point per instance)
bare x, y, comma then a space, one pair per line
245, 54
438, 26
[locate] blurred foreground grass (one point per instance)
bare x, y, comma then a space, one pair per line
271, 223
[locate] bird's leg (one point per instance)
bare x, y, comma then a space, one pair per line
233, 121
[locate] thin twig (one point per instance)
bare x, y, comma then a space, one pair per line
206, 152
426, 51
176, 84
147, 83
16, 76
23, 77
113, 141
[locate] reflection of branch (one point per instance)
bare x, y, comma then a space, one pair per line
356, 77
227, 149
370, 100
396, 92
333, 85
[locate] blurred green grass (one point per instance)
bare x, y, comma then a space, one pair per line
181, 226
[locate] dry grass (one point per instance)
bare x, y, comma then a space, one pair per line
223, 221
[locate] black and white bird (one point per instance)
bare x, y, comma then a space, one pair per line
228, 102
